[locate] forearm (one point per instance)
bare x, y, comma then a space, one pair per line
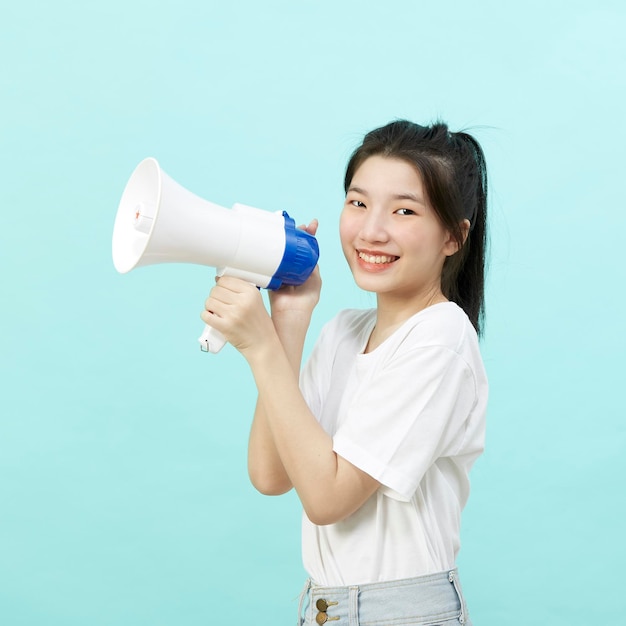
287, 417
265, 467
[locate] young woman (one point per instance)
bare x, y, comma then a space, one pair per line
378, 433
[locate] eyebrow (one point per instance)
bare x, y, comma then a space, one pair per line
397, 196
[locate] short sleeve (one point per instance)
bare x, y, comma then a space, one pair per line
406, 414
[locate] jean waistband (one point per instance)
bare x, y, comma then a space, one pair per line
434, 596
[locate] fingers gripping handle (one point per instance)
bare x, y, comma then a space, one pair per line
211, 340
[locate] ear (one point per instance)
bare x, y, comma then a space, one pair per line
451, 245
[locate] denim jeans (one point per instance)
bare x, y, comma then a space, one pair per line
433, 600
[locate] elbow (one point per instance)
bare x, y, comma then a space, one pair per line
325, 509
271, 489
319, 520
270, 485
321, 514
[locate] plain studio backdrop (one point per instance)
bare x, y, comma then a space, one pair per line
124, 498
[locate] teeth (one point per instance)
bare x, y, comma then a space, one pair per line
368, 258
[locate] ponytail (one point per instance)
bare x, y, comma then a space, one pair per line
463, 277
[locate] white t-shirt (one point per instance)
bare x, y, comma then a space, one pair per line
411, 413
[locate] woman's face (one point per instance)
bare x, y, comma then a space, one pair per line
393, 240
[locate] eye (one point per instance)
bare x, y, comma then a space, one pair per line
357, 203
405, 212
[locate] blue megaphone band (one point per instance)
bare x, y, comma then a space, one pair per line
300, 257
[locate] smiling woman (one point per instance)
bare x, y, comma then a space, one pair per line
379, 434
452, 182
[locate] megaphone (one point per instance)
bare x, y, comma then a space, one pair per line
159, 221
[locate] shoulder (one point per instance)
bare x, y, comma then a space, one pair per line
345, 333
441, 334
350, 322
443, 325
354, 318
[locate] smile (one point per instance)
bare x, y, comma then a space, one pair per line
377, 259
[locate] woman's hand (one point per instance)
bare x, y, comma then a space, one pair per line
301, 299
235, 308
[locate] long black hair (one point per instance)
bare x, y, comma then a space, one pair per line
454, 174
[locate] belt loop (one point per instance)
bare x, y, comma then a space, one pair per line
454, 579
303, 593
353, 608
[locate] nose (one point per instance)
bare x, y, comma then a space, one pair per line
374, 227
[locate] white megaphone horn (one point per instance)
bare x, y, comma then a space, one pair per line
159, 221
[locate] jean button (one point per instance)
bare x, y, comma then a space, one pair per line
321, 618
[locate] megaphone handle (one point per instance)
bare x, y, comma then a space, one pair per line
211, 340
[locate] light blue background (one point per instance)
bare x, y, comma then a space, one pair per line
124, 499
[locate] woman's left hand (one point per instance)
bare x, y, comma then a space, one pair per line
302, 298
235, 308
